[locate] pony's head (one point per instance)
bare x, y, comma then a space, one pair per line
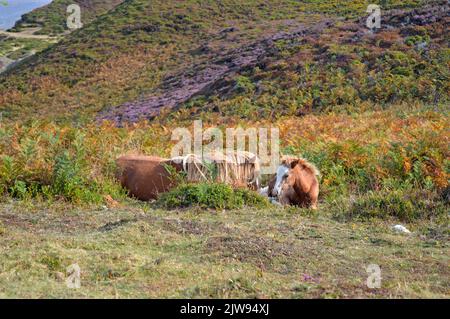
287, 172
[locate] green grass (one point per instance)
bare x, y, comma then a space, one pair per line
136, 251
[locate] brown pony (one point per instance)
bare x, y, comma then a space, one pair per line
146, 177
295, 183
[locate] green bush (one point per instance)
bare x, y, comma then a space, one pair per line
211, 195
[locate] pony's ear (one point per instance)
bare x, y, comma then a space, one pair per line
294, 163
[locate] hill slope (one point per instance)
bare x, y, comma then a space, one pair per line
234, 59
51, 19
42, 27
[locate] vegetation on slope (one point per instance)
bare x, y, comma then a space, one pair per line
51, 19
400, 152
18, 48
137, 45
369, 109
131, 51
44, 26
336, 71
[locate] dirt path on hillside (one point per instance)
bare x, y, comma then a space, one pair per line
25, 35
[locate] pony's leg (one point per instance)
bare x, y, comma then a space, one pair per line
314, 195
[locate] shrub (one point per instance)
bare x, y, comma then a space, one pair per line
52, 261
70, 181
211, 195
244, 85
47, 161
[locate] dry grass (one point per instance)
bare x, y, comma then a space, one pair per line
136, 251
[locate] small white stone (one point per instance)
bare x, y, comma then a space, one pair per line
401, 229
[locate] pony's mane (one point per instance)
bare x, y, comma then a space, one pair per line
233, 167
287, 159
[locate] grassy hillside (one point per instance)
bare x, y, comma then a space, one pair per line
142, 50
273, 62
43, 27
369, 109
